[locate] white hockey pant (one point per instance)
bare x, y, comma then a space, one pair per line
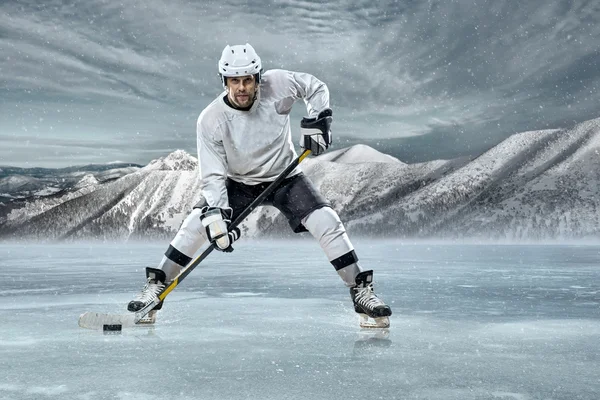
325, 225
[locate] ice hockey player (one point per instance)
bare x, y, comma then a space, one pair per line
244, 142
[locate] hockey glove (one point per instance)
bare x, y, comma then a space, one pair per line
316, 133
216, 221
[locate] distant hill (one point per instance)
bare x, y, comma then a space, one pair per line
534, 185
24, 183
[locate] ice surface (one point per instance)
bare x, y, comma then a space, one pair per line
273, 321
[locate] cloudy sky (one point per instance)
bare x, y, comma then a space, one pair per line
99, 81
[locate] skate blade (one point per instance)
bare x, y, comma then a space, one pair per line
373, 323
149, 319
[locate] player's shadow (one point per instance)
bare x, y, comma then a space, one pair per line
369, 339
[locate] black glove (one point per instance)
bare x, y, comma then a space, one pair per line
217, 223
316, 132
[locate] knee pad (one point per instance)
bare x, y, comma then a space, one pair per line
191, 235
325, 225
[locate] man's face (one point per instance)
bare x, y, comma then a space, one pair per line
241, 90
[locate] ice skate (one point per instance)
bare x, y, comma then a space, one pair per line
155, 283
373, 312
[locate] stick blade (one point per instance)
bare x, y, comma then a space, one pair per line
97, 321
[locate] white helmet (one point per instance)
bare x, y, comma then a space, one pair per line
239, 60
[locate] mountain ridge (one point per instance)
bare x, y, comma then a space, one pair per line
534, 185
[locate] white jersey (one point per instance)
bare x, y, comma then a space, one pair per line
254, 146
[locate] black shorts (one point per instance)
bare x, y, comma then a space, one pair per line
296, 197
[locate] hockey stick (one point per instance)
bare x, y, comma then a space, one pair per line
115, 322
238, 220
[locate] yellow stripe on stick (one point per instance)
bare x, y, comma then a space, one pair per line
304, 155
169, 288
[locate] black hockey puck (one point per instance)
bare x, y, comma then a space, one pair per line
112, 328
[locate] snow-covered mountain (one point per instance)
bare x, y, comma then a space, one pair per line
359, 153
534, 185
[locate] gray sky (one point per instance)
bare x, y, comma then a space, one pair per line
99, 81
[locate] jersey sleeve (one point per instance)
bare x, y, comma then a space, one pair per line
314, 92
288, 86
212, 162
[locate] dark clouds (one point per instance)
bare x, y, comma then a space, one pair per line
103, 81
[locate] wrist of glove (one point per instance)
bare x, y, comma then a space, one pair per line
316, 132
217, 223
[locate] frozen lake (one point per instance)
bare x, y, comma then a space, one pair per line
273, 321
